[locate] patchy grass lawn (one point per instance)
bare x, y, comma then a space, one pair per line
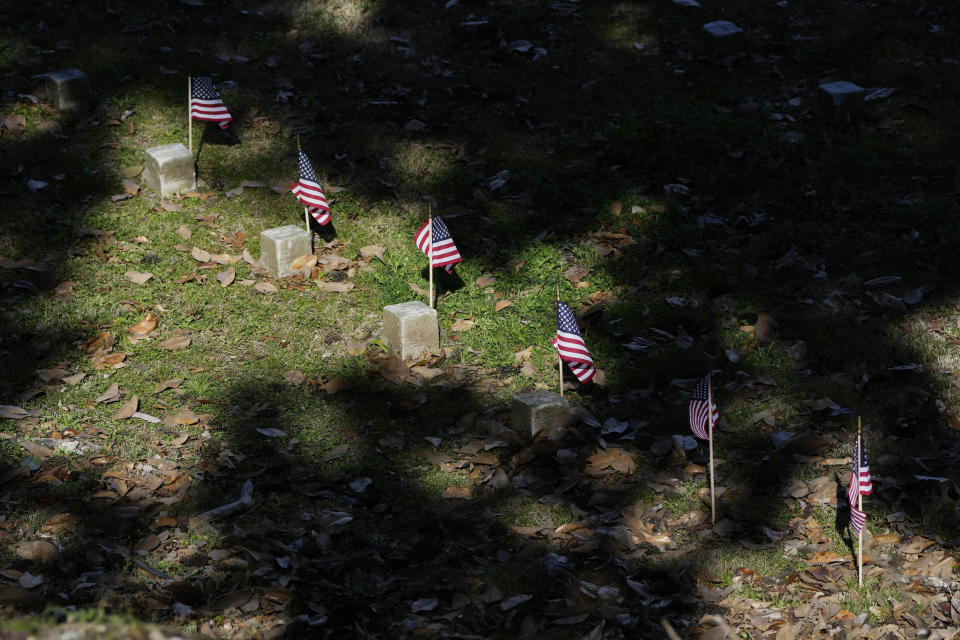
698, 214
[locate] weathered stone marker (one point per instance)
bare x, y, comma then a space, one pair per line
411, 330
168, 170
539, 410
724, 38
280, 246
840, 101
67, 89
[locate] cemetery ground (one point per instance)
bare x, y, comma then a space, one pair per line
190, 446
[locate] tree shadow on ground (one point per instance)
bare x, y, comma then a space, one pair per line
630, 124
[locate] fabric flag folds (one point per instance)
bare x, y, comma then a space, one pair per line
445, 252
308, 190
699, 420
860, 483
570, 344
205, 102
857, 518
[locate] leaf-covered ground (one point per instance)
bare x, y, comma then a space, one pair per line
189, 442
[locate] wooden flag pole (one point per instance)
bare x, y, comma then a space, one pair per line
856, 464
713, 506
189, 109
559, 358
430, 254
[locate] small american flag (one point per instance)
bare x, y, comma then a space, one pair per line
699, 420
445, 252
308, 191
857, 518
570, 344
205, 102
860, 483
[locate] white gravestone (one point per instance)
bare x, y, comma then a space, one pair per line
724, 38
168, 170
67, 89
539, 411
840, 101
280, 246
411, 330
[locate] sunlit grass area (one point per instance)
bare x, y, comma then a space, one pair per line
697, 214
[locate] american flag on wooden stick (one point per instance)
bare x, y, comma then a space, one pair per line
308, 190
860, 483
205, 102
699, 420
445, 252
570, 344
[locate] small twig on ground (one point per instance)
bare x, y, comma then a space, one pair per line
231, 509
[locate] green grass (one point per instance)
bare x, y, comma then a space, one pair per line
588, 134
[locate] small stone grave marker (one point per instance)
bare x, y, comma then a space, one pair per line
67, 89
411, 330
724, 38
280, 246
840, 101
168, 170
539, 410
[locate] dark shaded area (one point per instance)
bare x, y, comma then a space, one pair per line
858, 203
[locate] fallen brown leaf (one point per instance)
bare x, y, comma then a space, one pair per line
37, 550
616, 459
337, 452
112, 394
185, 417
265, 287
502, 304
101, 341
226, 278
200, 255
523, 354
51, 375
576, 273
294, 377
137, 277
355, 348
307, 260
36, 449
173, 383
131, 186
373, 250
107, 360
335, 384
147, 324
65, 289
459, 493
128, 409
75, 378
826, 557
334, 287
177, 343
395, 371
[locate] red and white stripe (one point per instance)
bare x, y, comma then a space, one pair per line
311, 195
445, 253
210, 110
574, 352
857, 518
